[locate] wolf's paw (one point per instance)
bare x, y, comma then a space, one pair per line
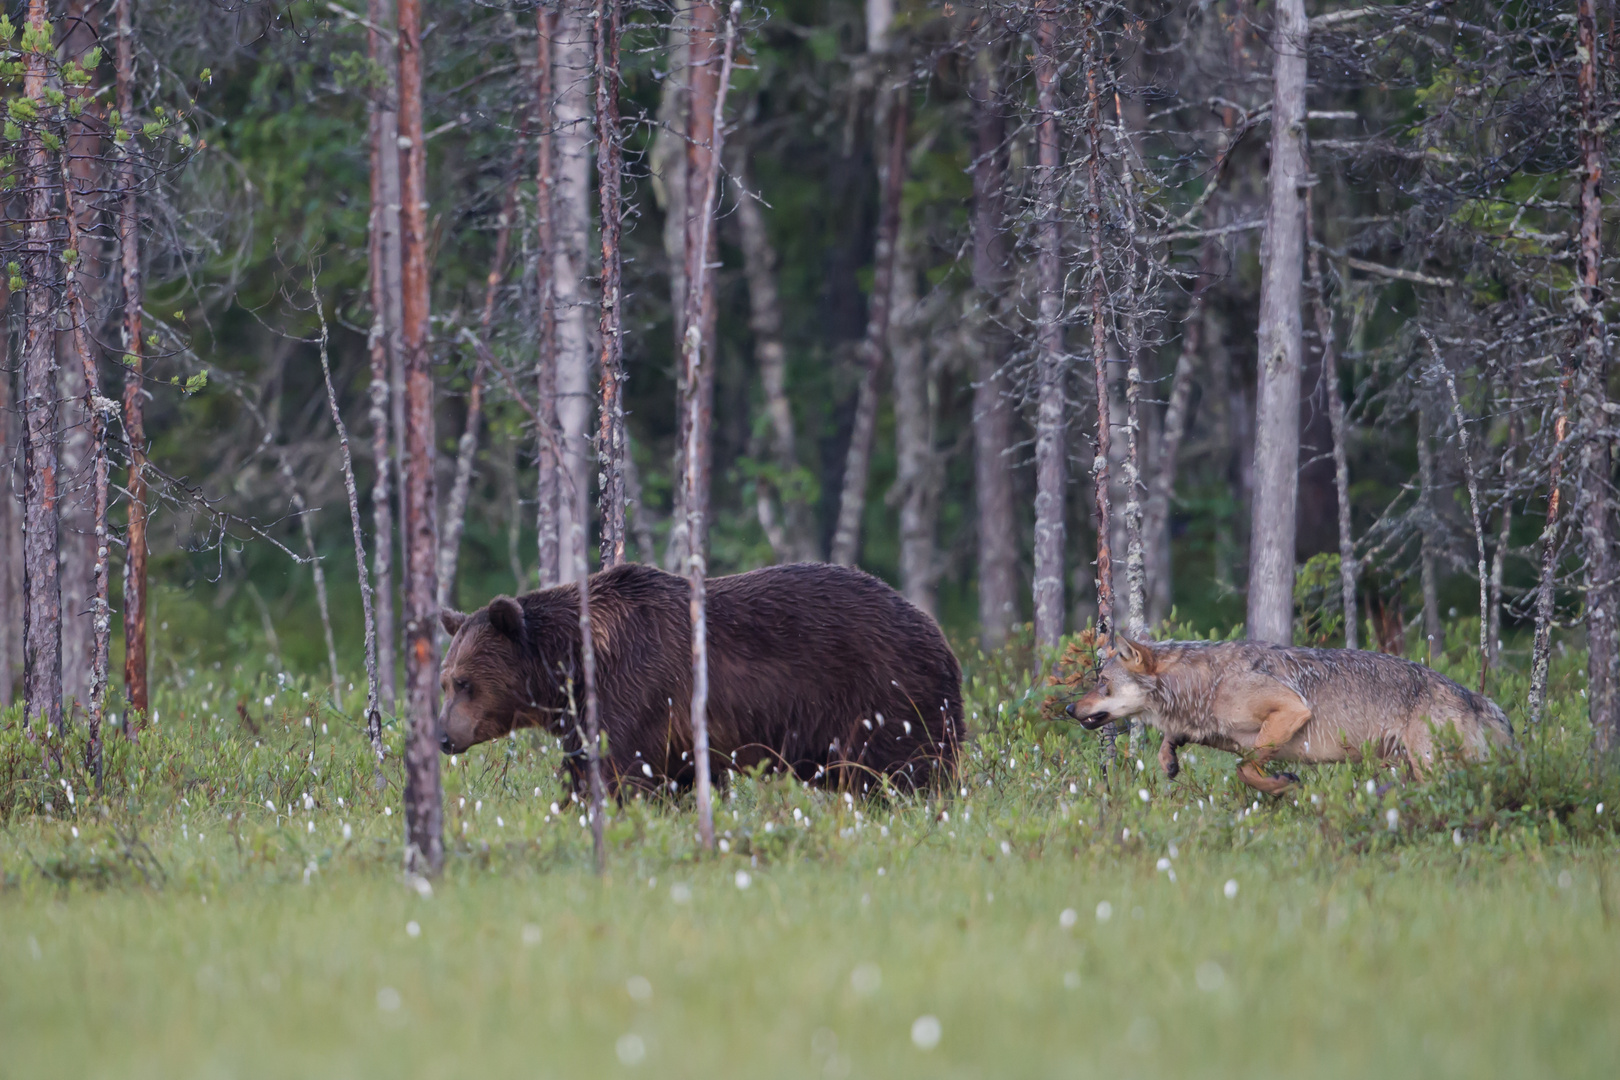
1288, 776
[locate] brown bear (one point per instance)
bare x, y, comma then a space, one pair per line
819, 669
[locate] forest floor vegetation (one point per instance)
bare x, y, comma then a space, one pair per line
230, 903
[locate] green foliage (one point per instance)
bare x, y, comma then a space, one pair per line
1319, 601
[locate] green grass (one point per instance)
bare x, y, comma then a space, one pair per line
186, 929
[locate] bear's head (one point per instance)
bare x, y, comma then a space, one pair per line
485, 675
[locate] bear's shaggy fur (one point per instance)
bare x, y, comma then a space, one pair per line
820, 669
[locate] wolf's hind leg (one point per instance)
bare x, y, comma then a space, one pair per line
1281, 724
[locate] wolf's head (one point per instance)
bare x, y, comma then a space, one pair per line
1122, 686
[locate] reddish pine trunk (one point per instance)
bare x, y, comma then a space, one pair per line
424, 808
42, 611
135, 687
385, 334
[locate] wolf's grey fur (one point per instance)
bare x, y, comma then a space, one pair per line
1266, 702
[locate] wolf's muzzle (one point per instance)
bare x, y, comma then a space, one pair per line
1090, 721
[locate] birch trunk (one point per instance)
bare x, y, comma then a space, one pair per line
42, 610
549, 539
384, 341
135, 671
1281, 340
857, 462
711, 76
1461, 420
765, 320
1504, 527
668, 162
373, 712
97, 410
992, 414
913, 432
1602, 657
611, 448
424, 799
572, 123
1051, 454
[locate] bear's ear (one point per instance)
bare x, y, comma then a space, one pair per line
506, 616
1137, 656
452, 621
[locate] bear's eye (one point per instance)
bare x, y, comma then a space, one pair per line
463, 686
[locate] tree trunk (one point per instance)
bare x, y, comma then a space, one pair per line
571, 74
711, 76
384, 339
668, 162
455, 513
1281, 341
11, 592
611, 447
79, 451
1504, 526
1602, 676
42, 612
1162, 486
97, 411
135, 684
1135, 557
858, 461
549, 539
1051, 455
1336, 418
1434, 634
1472, 481
424, 809
765, 320
914, 487
992, 414
367, 605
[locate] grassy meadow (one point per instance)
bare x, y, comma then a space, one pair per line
231, 904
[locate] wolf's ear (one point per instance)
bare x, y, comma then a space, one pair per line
506, 617
1137, 656
451, 620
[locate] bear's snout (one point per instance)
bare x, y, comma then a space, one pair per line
445, 744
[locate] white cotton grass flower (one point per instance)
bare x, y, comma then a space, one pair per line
743, 879
1071, 980
348, 833
1457, 837
865, 979
1209, 976
1105, 911
1142, 793
531, 935
639, 987
1392, 817
1231, 889
1163, 864
1068, 917
631, 1049
681, 893
388, 999
413, 929
925, 1032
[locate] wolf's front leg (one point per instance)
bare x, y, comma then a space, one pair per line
1167, 756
